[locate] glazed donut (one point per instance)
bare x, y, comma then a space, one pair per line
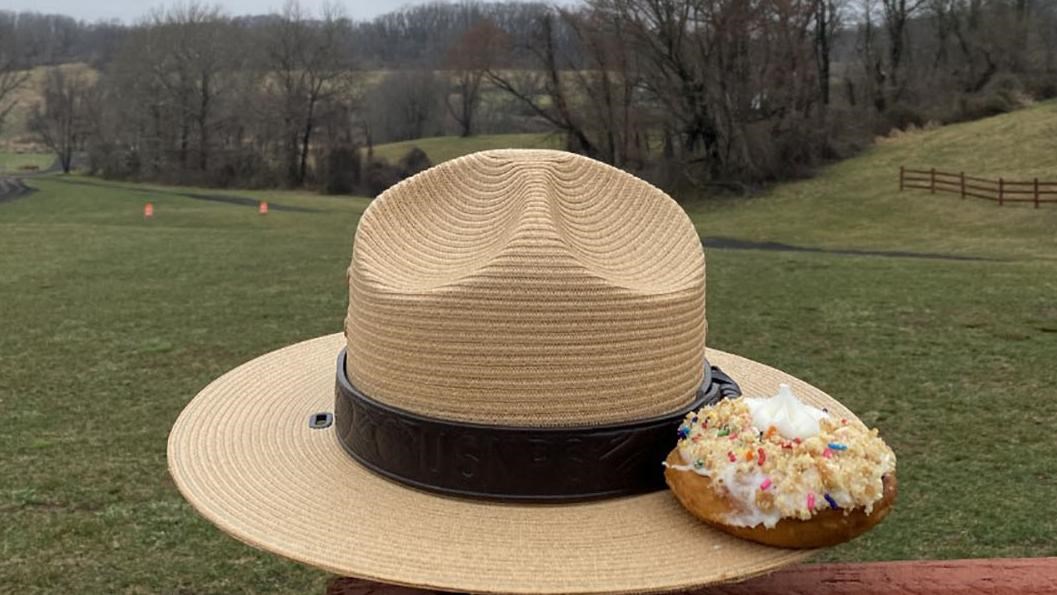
780, 472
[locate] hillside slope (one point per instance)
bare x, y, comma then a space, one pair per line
856, 203
443, 148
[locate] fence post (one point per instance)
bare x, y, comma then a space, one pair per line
932, 181
1036, 193
901, 168
1001, 184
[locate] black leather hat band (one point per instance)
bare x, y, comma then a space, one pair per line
511, 462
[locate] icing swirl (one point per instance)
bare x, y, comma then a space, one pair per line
788, 414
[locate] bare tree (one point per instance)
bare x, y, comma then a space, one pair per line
59, 120
146, 118
306, 64
683, 73
194, 57
732, 84
12, 75
987, 37
897, 15
177, 101
875, 71
469, 59
544, 90
422, 31
609, 83
885, 60
406, 105
827, 15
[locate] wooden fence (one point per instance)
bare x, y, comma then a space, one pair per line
1000, 190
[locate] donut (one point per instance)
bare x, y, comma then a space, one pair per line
780, 472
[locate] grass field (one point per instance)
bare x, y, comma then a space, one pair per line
113, 323
443, 148
16, 162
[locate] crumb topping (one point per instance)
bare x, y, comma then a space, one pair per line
770, 477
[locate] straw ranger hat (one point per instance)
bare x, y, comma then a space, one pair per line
525, 331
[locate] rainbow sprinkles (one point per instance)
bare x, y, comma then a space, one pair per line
780, 458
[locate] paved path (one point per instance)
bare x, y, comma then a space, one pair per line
223, 198
12, 188
12, 185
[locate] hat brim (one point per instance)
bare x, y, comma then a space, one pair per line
244, 456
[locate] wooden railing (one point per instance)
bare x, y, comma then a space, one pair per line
1000, 190
995, 576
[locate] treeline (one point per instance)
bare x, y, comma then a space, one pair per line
731, 92
412, 36
700, 93
49, 39
421, 35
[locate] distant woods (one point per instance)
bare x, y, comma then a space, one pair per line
712, 94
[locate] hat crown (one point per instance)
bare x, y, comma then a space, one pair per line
528, 288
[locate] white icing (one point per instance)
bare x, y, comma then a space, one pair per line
741, 489
842, 498
678, 467
689, 466
788, 414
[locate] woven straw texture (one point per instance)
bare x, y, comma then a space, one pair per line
534, 288
243, 455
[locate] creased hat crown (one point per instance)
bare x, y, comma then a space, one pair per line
527, 288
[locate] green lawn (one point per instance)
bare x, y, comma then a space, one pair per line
443, 148
113, 323
21, 162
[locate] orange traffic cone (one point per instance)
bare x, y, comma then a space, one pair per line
148, 210
263, 208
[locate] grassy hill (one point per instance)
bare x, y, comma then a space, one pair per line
16, 162
443, 148
854, 203
120, 321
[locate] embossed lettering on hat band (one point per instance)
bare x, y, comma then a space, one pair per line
510, 462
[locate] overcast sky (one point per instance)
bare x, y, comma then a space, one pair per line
130, 10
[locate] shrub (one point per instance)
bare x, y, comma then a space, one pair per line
406, 104
413, 162
1003, 94
380, 176
1041, 86
901, 116
341, 170
974, 107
